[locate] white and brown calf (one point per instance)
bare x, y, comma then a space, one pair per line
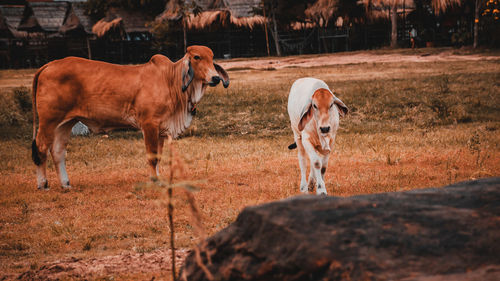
314, 116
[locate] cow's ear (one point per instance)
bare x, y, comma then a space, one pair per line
343, 110
305, 117
222, 74
187, 75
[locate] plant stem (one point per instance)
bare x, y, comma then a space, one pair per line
170, 208
171, 221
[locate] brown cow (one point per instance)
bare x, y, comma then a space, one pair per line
158, 97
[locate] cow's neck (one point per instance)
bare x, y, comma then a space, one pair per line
183, 117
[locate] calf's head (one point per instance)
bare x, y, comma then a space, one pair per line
324, 108
200, 67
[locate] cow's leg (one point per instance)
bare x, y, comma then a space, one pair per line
58, 151
315, 163
302, 165
311, 183
151, 134
43, 142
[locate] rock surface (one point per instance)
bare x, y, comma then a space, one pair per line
450, 233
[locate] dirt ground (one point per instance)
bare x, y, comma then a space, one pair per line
420, 55
128, 265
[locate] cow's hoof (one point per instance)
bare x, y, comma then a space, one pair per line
321, 190
303, 189
44, 186
66, 185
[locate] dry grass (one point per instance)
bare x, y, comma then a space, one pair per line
412, 125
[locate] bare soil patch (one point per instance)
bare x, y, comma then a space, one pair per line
123, 265
421, 55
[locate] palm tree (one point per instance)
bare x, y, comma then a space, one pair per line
392, 5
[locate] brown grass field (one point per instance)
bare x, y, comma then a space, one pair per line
413, 124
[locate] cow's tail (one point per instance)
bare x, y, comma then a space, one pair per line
34, 148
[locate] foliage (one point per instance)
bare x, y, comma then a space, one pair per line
97, 8
490, 19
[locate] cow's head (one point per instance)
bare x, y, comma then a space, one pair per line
200, 67
323, 108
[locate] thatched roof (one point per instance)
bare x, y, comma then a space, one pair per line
44, 16
4, 28
221, 12
242, 8
224, 18
321, 12
85, 20
122, 21
10, 17
12, 14
380, 9
104, 26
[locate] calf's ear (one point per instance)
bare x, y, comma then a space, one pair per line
343, 110
187, 75
305, 117
222, 74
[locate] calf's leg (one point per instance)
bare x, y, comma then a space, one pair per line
302, 165
324, 165
315, 167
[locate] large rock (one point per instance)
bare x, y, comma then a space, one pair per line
450, 233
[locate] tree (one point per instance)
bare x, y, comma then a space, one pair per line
392, 5
489, 10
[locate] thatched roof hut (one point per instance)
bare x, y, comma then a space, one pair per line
10, 17
122, 22
45, 17
205, 13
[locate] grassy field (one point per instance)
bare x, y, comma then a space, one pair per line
412, 125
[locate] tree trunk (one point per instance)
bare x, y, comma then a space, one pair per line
184, 33
394, 25
89, 52
476, 24
265, 28
275, 33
